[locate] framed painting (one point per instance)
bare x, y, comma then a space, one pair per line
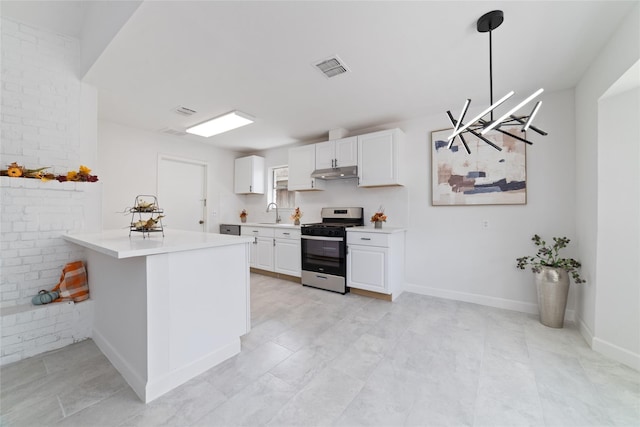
484, 177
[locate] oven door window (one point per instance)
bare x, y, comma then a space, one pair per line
324, 256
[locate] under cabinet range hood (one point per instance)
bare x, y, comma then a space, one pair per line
336, 173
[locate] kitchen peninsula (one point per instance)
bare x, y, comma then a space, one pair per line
167, 309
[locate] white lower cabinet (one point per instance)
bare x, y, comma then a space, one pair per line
261, 254
274, 249
375, 261
264, 253
287, 256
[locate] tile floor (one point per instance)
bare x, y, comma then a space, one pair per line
318, 358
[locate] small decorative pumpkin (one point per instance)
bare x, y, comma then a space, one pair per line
14, 170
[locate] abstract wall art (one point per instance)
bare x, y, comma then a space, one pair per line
484, 177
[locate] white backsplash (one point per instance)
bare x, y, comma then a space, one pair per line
338, 193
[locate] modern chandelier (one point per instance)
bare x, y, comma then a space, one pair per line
479, 126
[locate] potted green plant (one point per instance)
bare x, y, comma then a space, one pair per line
552, 278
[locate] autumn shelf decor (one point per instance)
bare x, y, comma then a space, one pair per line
551, 278
14, 170
83, 174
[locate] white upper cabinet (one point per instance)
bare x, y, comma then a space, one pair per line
302, 162
249, 175
380, 158
337, 153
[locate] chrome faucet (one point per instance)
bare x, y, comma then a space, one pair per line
277, 214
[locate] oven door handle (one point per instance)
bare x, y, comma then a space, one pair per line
325, 238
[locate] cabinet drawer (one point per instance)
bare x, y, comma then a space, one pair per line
368, 239
281, 233
257, 231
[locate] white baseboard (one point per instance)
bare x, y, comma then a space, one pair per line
180, 376
147, 390
507, 304
586, 333
617, 353
130, 375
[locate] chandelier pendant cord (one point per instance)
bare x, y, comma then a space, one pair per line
490, 73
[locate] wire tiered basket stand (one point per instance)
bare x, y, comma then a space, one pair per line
146, 216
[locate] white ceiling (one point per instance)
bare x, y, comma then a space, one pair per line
406, 59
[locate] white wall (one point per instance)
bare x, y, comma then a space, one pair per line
618, 269
620, 53
128, 160
48, 119
449, 253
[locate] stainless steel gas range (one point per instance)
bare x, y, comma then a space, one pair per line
324, 249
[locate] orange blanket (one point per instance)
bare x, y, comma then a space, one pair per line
73, 284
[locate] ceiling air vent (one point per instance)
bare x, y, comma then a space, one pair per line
184, 111
174, 132
331, 67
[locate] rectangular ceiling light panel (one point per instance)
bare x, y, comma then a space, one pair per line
224, 123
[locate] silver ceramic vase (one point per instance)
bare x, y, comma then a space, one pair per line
553, 287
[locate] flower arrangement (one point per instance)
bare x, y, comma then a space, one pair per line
243, 215
379, 216
296, 215
548, 256
83, 174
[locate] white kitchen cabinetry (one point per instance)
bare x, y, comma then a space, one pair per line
275, 249
375, 260
261, 252
249, 175
302, 162
337, 153
380, 158
287, 256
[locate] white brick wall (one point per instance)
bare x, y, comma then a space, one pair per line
28, 330
42, 105
35, 215
40, 97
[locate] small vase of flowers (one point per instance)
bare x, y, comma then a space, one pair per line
243, 215
378, 218
296, 215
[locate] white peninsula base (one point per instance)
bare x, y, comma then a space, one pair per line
167, 309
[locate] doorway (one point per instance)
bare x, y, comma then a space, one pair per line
182, 193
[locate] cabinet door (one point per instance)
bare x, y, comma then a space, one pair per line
325, 155
346, 151
249, 175
302, 162
253, 253
378, 161
287, 257
367, 268
264, 253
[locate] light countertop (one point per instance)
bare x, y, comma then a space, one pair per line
372, 229
265, 224
118, 244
